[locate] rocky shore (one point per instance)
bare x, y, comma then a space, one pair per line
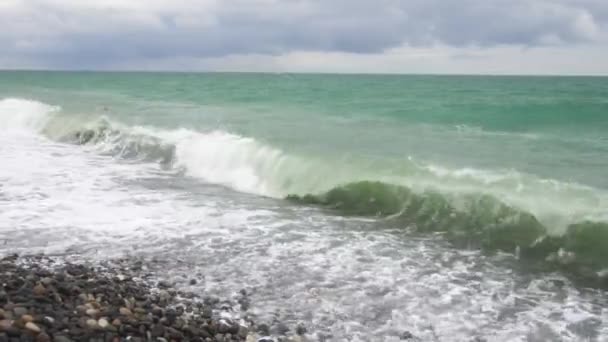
44, 299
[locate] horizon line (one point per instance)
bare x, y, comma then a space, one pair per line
335, 73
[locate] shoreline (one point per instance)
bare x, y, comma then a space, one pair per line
47, 299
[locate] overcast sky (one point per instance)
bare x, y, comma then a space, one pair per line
400, 36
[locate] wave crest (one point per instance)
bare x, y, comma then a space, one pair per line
123, 143
472, 220
21, 115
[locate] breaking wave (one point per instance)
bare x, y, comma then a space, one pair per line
19, 115
557, 222
473, 220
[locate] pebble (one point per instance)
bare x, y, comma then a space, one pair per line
140, 311
32, 327
92, 312
265, 339
158, 330
5, 324
27, 318
301, 329
263, 329
281, 329
164, 295
43, 337
49, 320
125, 311
19, 311
207, 312
103, 323
46, 281
92, 324
163, 284
406, 335
39, 290
243, 331
61, 338
70, 302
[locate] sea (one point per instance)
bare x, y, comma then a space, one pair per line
363, 207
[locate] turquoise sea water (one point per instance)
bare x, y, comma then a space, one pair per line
491, 164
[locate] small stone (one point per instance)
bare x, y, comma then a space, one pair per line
243, 331
92, 324
174, 333
263, 329
301, 329
207, 313
164, 295
157, 311
46, 281
92, 312
192, 281
163, 284
5, 324
32, 327
61, 338
39, 290
43, 337
158, 330
116, 322
49, 320
406, 335
140, 311
27, 318
19, 311
14, 332
2, 313
103, 323
281, 329
224, 327
125, 311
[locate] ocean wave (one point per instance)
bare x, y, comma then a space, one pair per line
498, 210
473, 220
21, 115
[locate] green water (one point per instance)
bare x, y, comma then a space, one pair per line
552, 127
465, 155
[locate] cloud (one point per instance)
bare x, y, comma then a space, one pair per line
103, 33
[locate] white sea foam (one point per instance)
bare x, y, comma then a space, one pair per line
20, 115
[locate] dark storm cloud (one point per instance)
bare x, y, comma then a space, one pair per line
71, 33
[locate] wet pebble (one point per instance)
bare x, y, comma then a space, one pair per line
32, 327
70, 302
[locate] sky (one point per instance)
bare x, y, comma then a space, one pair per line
342, 36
